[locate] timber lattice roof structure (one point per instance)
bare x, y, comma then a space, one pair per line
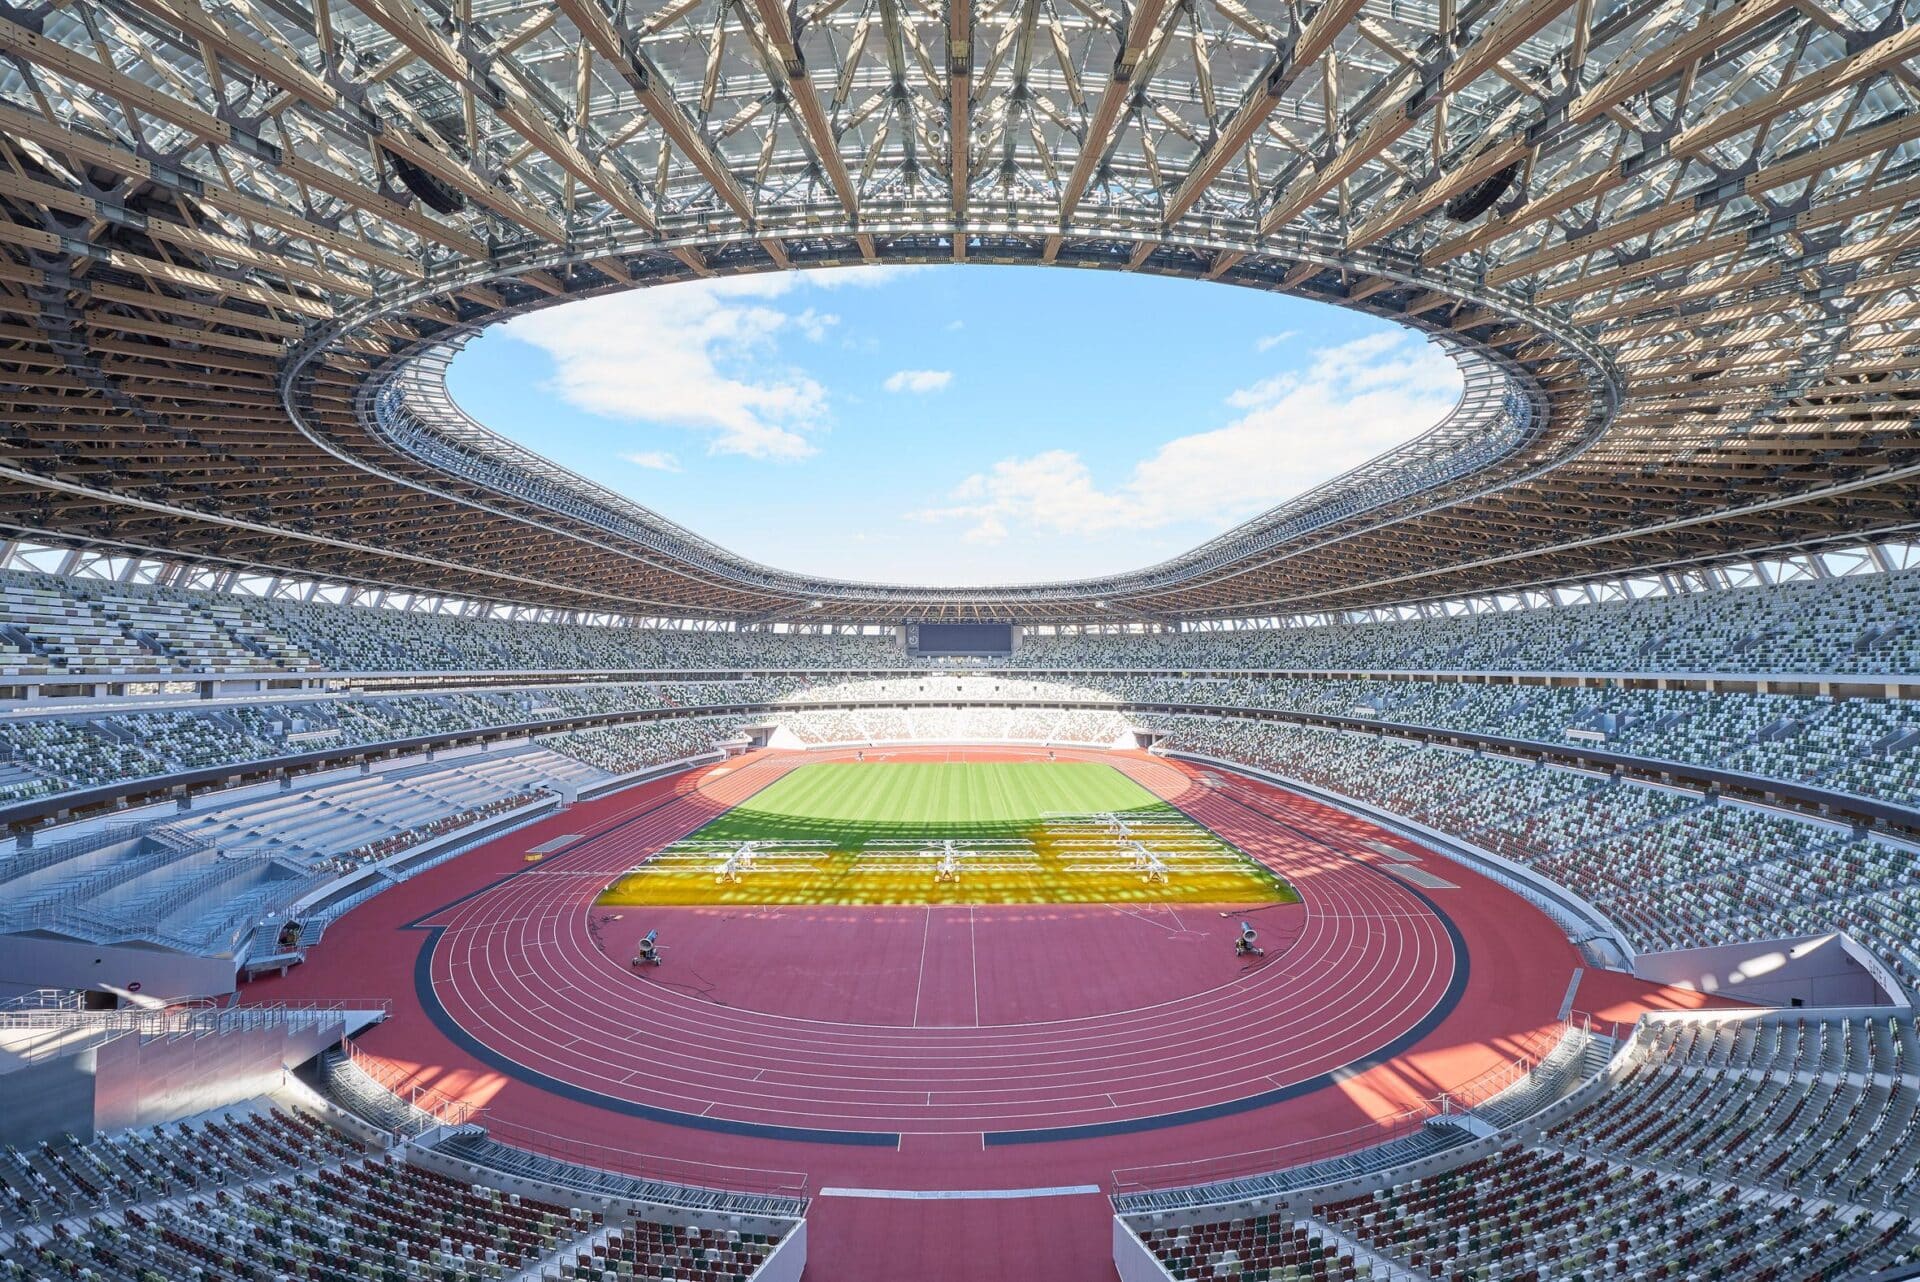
1674, 246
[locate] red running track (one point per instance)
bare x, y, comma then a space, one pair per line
518, 966
517, 970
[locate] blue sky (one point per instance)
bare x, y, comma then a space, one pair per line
955, 425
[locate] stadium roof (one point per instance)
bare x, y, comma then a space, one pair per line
1672, 246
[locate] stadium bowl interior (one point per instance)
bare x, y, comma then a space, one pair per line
420, 860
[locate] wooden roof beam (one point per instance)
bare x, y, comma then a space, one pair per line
656, 98
269, 64
1259, 101
959, 105
815, 128
1142, 26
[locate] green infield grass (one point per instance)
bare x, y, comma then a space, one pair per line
870, 833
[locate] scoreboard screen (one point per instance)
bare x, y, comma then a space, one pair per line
960, 638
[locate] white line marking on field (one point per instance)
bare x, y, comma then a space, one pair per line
921, 978
974, 949
963, 1195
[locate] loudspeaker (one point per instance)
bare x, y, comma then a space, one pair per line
433, 193
1479, 198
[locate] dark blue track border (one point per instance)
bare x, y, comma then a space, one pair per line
1450, 998
451, 1029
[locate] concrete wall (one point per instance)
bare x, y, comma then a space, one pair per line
789, 1259
109, 1081
1131, 1258
1815, 970
145, 1081
27, 964
47, 1099
141, 1081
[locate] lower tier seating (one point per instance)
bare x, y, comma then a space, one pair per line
1760, 1145
268, 1192
202, 880
678, 1252
54, 1179
1260, 1246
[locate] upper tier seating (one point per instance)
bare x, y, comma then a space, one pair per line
54, 627
1867, 624
1672, 869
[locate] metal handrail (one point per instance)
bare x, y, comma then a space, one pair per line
694, 1173
1458, 1102
188, 1018
439, 1108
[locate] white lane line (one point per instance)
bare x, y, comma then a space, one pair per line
921, 979
963, 1195
973, 949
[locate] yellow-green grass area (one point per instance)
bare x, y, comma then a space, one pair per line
874, 820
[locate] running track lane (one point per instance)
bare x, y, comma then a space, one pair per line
514, 972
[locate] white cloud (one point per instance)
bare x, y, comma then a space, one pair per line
1353, 402
702, 356
815, 324
657, 460
858, 277
1267, 342
1052, 490
919, 381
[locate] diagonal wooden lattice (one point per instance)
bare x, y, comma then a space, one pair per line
238, 234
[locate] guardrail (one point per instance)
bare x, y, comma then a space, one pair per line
1363, 1148
46, 999
437, 1108
196, 1018
651, 1166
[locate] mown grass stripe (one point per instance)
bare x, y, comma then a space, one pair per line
853, 804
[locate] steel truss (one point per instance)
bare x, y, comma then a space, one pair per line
240, 238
